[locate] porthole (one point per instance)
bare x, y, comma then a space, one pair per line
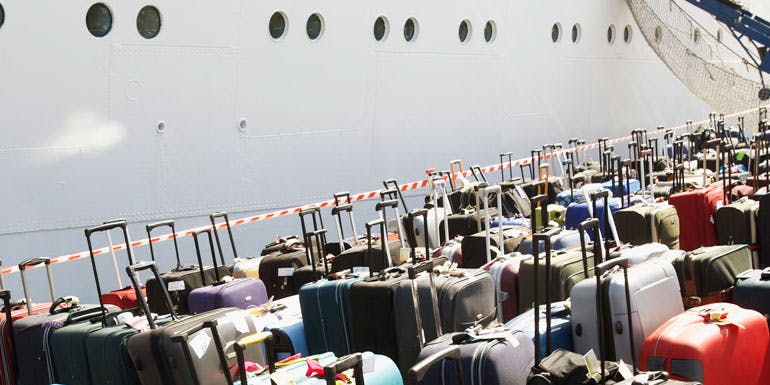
658, 34
611, 34
99, 20
381, 28
696, 36
464, 31
2, 15
315, 26
490, 31
627, 34
556, 32
148, 22
410, 29
277, 25
576, 31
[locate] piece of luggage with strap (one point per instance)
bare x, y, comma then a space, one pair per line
708, 274
737, 223
224, 292
565, 239
181, 280
645, 223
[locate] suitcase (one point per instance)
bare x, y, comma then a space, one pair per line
501, 358
737, 222
708, 274
284, 319
417, 372
325, 305
641, 287
564, 239
699, 207
579, 212
342, 204
181, 280
223, 293
505, 271
241, 267
763, 227
125, 297
181, 350
642, 223
751, 291
715, 344
8, 374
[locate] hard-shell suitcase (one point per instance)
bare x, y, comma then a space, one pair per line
642, 223
652, 289
564, 239
503, 358
325, 305
699, 207
238, 292
752, 290
708, 274
283, 318
505, 271
715, 344
181, 280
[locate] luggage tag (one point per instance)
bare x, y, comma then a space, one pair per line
593, 365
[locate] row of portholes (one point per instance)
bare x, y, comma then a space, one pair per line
577, 32
99, 21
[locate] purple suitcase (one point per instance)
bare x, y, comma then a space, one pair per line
242, 293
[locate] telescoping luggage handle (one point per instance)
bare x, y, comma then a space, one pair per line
196, 239
413, 250
382, 208
123, 226
541, 200
608, 219
167, 223
392, 185
496, 189
600, 269
112, 252
439, 185
419, 370
504, 155
342, 203
317, 232
593, 224
413, 272
132, 271
454, 175
478, 174
545, 238
383, 241
23, 266
213, 218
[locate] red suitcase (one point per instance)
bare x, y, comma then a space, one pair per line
697, 208
716, 344
17, 311
505, 271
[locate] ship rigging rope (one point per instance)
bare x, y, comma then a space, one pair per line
714, 72
353, 198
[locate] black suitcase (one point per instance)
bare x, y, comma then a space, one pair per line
180, 281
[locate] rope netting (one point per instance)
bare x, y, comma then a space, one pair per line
714, 72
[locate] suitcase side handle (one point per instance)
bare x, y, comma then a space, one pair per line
133, 271
544, 237
213, 219
196, 235
351, 361
166, 223
417, 372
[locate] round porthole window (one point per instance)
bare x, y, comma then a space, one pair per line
658, 34
277, 25
556, 32
464, 31
490, 31
99, 20
576, 31
315, 26
410, 29
611, 34
2, 15
148, 22
627, 34
381, 28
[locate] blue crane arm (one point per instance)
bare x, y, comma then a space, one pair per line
742, 22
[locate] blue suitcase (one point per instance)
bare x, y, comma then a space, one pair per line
752, 290
325, 305
565, 239
561, 327
578, 212
283, 318
632, 185
242, 293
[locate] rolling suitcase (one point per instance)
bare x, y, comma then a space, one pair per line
715, 344
752, 289
125, 297
699, 206
642, 223
737, 223
501, 358
708, 274
564, 239
241, 267
315, 249
223, 293
181, 280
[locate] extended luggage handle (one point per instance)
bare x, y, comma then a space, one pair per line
504, 155
451, 353
32, 262
543, 169
392, 184
478, 173
384, 242
584, 226
602, 147
439, 185
166, 223
112, 251
496, 189
534, 202
600, 269
196, 239
353, 361
424, 214
213, 219
530, 166
133, 271
413, 272
382, 208
536, 159
454, 175
123, 226
182, 340
342, 198
569, 163
446, 174
310, 233
337, 211
544, 237
320, 238
608, 220
244, 343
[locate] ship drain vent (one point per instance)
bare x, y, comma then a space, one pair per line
714, 72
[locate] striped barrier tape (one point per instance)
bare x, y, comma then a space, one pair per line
353, 198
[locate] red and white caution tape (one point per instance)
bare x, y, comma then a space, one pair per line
353, 198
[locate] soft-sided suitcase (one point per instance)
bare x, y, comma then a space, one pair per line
325, 305
283, 318
642, 223
239, 292
650, 289
500, 358
737, 222
699, 207
125, 297
715, 344
181, 280
708, 274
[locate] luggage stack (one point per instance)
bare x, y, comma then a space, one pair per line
649, 267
